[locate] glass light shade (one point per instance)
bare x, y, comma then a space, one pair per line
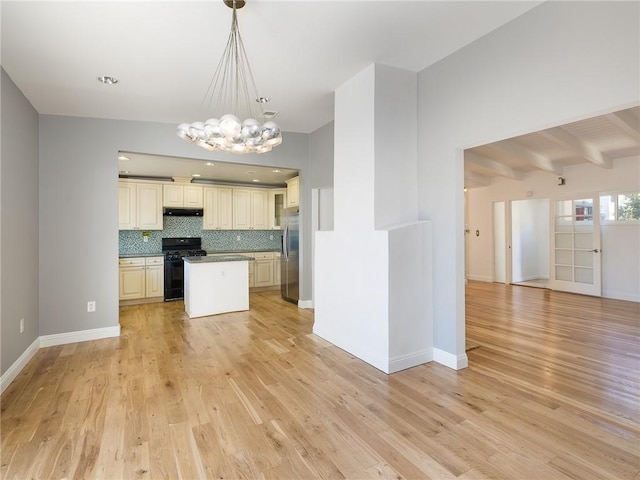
205, 145
274, 141
183, 131
212, 128
197, 130
230, 126
263, 149
250, 128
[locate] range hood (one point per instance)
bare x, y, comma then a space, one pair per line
182, 212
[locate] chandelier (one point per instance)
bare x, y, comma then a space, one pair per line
237, 130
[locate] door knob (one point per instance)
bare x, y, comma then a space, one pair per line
595, 250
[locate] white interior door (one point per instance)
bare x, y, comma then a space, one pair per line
575, 246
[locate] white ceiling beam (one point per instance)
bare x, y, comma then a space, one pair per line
497, 168
539, 161
577, 146
472, 179
626, 122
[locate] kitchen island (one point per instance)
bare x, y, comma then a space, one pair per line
216, 284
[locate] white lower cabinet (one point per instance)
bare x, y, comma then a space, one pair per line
277, 272
132, 278
263, 273
141, 277
252, 270
263, 269
154, 277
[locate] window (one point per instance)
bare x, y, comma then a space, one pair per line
622, 207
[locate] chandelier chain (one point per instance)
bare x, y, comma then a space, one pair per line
230, 91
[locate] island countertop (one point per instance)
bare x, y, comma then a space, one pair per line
217, 258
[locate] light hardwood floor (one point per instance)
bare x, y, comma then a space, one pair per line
551, 393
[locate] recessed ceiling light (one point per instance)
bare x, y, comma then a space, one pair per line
195, 175
255, 180
276, 171
106, 79
209, 164
124, 158
124, 172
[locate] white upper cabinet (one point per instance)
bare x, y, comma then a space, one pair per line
259, 209
193, 196
149, 197
182, 196
250, 209
241, 209
293, 192
172, 195
277, 201
139, 206
127, 206
218, 208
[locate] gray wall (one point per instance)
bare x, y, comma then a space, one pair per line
560, 62
79, 211
19, 223
321, 156
321, 176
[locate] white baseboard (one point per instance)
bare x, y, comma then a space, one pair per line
14, 370
305, 303
51, 341
450, 360
80, 336
533, 277
479, 278
403, 362
630, 297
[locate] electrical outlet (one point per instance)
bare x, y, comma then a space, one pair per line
22, 325
238, 238
91, 306
270, 237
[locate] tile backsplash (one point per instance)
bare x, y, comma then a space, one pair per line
132, 242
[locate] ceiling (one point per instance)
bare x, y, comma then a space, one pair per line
598, 141
132, 164
164, 53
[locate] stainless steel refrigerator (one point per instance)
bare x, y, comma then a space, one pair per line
289, 261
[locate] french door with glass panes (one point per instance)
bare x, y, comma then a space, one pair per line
575, 246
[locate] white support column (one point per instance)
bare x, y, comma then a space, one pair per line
373, 271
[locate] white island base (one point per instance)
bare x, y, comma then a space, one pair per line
215, 285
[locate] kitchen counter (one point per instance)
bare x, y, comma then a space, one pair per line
141, 255
233, 252
215, 285
217, 259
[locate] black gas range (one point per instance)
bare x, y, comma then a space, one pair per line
175, 249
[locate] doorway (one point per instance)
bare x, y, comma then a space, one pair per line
530, 242
521, 242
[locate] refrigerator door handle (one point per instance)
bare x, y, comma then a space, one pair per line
285, 243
